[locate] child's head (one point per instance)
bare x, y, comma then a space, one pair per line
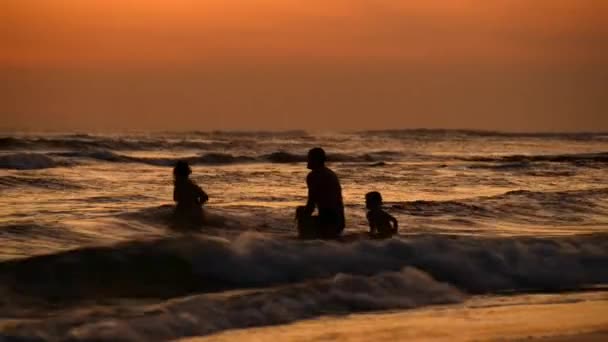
373, 199
181, 169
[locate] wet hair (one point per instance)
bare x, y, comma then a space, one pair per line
317, 155
181, 169
374, 198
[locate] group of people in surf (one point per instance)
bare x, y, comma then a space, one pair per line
324, 195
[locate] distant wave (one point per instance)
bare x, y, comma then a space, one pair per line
288, 133
577, 158
36, 182
108, 156
455, 133
106, 148
373, 156
556, 165
284, 157
529, 163
29, 161
504, 166
539, 169
32, 161
206, 141
225, 158
577, 206
86, 142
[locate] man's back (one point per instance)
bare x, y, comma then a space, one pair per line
324, 189
324, 193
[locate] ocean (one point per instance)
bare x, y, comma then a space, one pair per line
88, 253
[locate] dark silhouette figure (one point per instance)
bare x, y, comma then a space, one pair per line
381, 224
325, 194
188, 196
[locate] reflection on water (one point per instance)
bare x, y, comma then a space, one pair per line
86, 243
94, 180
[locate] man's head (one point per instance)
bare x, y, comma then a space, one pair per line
316, 158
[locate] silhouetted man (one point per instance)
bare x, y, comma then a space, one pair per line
324, 193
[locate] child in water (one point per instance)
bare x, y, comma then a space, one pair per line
188, 196
381, 224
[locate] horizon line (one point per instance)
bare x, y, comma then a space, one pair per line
302, 131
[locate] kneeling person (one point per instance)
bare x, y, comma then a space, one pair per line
324, 194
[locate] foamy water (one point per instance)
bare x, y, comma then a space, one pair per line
83, 227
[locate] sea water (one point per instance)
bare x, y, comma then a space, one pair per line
88, 251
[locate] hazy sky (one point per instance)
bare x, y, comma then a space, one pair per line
525, 65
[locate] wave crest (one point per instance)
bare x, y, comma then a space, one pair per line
519, 160
36, 182
28, 161
205, 314
173, 266
224, 158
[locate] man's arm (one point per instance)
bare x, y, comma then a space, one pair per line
202, 195
395, 223
372, 225
310, 203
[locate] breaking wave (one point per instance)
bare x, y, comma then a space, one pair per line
180, 265
280, 281
206, 314
202, 285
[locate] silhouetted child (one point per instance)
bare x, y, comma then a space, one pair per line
381, 224
188, 196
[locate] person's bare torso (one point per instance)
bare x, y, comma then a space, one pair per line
187, 194
324, 189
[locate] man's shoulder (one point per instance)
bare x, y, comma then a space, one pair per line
327, 172
323, 173
318, 172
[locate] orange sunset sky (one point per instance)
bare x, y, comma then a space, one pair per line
524, 65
